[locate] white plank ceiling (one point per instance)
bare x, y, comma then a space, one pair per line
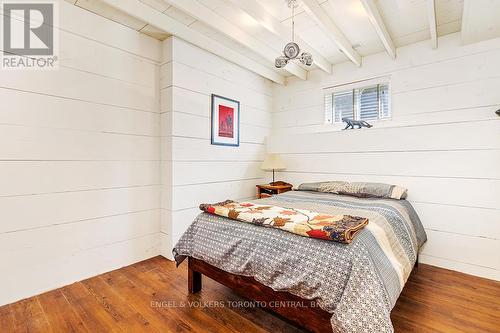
258, 29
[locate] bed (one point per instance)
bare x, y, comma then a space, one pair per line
336, 287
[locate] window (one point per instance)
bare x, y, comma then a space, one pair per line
365, 100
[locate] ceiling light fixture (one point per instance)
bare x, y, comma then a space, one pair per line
292, 49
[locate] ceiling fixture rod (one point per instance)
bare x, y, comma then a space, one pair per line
292, 49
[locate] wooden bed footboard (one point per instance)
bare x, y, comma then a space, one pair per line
303, 312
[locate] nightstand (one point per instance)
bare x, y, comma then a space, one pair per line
266, 190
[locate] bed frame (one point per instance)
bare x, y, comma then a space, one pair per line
307, 315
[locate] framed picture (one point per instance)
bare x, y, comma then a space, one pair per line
225, 121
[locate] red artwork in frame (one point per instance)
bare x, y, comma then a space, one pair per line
225, 121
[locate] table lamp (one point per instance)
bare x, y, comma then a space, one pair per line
273, 162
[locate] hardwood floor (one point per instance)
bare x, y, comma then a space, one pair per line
148, 297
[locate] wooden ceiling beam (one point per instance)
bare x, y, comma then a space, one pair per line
378, 24
224, 26
163, 22
316, 12
431, 13
273, 25
467, 20
480, 20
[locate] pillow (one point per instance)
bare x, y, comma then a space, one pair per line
374, 190
357, 189
330, 187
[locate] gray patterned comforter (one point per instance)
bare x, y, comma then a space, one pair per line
357, 283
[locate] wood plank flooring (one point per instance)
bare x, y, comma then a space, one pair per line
149, 297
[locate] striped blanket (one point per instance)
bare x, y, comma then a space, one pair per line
357, 283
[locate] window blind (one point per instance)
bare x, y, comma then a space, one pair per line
368, 105
343, 105
384, 101
328, 109
365, 103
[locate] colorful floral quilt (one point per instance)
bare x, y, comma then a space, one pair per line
340, 228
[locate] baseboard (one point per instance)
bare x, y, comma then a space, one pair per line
484, 272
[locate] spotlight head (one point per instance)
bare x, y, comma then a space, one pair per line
291, 50
306, 58
280, 62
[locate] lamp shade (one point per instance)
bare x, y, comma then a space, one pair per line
273, 162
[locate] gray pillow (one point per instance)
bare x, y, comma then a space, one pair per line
357, 189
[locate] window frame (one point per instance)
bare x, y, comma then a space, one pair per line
360, 84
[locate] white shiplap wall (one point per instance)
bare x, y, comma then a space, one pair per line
79, 158
193, 170
443, 143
